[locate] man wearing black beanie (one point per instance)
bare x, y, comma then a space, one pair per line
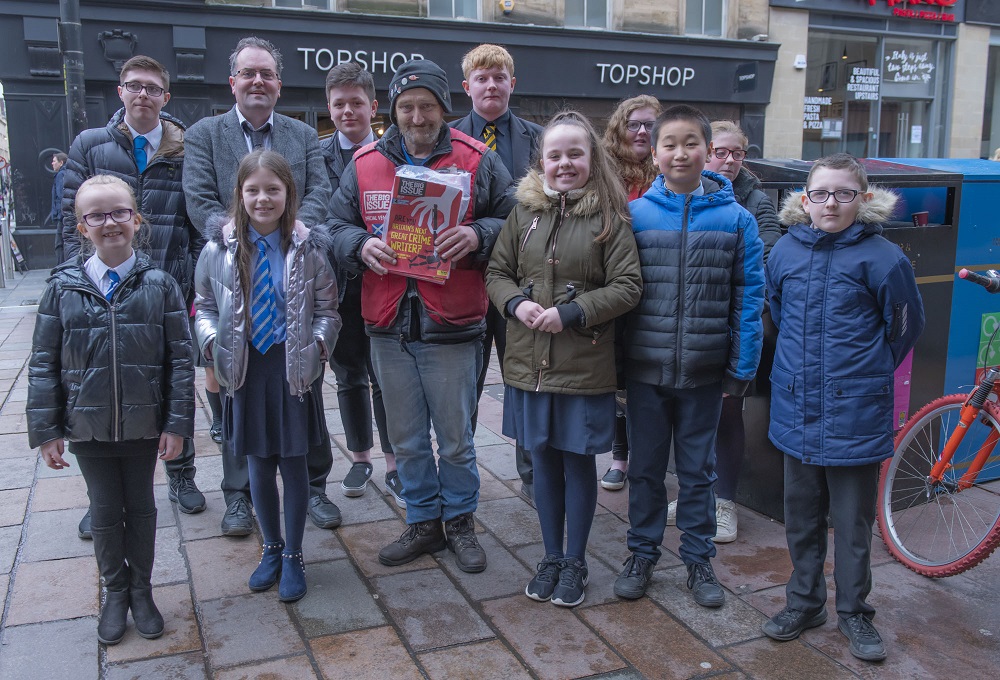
425, 337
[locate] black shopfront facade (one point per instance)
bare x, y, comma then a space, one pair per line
555, 68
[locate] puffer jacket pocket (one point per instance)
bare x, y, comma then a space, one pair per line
786, 400
859, 399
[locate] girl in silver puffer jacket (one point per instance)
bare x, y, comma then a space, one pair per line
267, 315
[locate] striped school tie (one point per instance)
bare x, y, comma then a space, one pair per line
490, 136
115, 280
263, 310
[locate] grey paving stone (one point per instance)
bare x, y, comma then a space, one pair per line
53, 536
13, 503
9, 539
248, 628
205, 524
18, 472
15, 446
183, 667
73, 654
498, 459
429, 611
504, 575
169, 565
511, 520
338, 601
735, 621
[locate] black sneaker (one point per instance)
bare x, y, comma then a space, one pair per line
866, 643
706, 588
547, 574
461, 535
613, 480
572, 580
789, 623
184, 492
83, 529
215, 432
418, 539
394, 487
356, 481
238, 520
323, 512
634, 579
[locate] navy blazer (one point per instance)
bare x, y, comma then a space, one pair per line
524, 141
214, 147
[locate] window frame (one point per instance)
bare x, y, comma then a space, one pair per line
608, 6
477, 17
702, 33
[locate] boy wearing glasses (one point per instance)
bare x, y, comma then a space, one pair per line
144, 147
848, 311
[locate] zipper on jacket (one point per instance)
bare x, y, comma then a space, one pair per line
552, 261
681, 290
527, 235
116, 405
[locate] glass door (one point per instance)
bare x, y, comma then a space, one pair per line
903, 128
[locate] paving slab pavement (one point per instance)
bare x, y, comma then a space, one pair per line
427, 619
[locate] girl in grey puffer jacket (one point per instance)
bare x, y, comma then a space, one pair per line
267, 314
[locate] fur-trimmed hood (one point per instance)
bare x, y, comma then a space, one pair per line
537, 196
220, 231
876, 211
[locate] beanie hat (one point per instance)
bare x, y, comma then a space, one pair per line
419, 73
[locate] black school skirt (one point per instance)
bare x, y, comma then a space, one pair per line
263, 419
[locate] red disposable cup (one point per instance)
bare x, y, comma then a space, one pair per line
920, 218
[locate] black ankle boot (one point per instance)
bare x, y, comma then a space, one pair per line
148, 621
114, 614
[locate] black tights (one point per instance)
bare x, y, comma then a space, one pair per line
264, 493
565, 491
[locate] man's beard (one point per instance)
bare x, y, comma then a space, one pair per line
420, 136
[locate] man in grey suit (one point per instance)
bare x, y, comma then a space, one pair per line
214, 149
489, 80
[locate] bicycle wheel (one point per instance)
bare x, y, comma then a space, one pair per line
940, 531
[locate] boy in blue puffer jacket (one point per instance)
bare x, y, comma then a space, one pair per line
695, 335
848, 311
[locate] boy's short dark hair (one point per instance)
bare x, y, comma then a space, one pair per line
841, 161
350, 74
60, 156
683, 112
144, 63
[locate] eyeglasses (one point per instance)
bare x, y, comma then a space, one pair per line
151, 90
840, 195
635, 125
99, 219
722, 153
252, 73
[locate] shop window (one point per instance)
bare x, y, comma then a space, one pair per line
991, 109
589, 13
453, 9
307, 4
704, 17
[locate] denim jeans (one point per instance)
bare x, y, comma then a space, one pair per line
425, 384
659, 417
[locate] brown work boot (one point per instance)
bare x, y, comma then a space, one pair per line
461, 533
418, 539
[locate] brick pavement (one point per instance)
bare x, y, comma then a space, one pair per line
426, 619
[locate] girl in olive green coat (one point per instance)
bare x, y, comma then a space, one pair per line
564, 266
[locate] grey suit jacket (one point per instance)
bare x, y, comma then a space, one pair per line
524, 141
213, 149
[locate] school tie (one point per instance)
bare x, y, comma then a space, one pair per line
263, 310
490, 136
115, 280
256, 136
139, 147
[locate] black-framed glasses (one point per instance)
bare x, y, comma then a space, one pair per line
722, 153
252, 73
840, 195
635, 125
151, 90
99, 219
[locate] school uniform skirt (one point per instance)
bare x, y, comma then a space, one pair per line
263, 419
577, 423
